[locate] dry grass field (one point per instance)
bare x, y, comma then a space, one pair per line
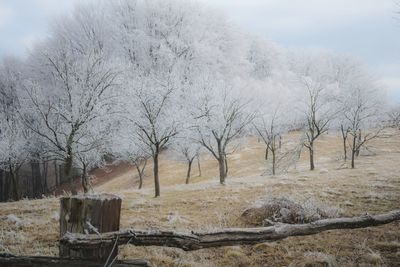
31, 227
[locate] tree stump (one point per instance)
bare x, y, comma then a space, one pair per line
90, 214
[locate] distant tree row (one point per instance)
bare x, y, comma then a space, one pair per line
132, 78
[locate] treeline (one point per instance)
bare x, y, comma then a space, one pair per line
129, 79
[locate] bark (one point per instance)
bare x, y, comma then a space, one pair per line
140, 176
8, 260
85, 180
280, 142
155, 170
221, 163
198, 164
68, 166
89, 214
140, 170
14, 182
344, 137
224, 237
359, 140
273, 161
222, 173
353, 151
57, 177
188, 171
266, 153
45, 166
226, 166
311, 150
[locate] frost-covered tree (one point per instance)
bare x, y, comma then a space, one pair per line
316, 103
126, 147
270, 127
15, 139
188, 149
394, 116
164, 44
223, 119
362, 112
70, 86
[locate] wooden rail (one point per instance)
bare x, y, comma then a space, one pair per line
8, 260
223, 237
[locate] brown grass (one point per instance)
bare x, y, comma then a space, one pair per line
374, 186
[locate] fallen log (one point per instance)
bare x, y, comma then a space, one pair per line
223, 237
9, 260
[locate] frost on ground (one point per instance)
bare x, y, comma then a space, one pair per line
206, 205
266, 211
16, 220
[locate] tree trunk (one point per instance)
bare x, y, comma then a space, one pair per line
188, 171
198, 164
280, 141
44, 173
140, 171
266, 153
155, 169
14, 181
140, 176
225, 237
344, 136
90, 214
222, 173
273, 161
226, 166
85, 180
68, 166
353, 151
358, 143
221, 163
57, 177
311, 150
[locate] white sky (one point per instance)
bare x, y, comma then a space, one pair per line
367, 29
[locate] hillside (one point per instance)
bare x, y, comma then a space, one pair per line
31, 227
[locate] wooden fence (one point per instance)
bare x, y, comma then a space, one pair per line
90, 234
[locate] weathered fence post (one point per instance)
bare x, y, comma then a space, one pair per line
90, 214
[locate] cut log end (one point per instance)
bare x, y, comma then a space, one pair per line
90, 214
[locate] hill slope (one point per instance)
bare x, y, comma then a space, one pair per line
374, 186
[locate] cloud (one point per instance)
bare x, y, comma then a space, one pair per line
392, 85
28, 41
6, 13
299, 16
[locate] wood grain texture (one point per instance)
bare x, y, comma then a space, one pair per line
223, 237
89, 214
8, 260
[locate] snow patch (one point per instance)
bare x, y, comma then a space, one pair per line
12, 218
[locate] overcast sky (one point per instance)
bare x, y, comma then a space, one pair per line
367, 29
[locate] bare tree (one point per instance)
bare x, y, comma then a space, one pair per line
362, 113
127, 148
15, 139
394, 117
159, 47
77, 67
270, 130
224, 120
156, 127
188, 150
317, 113
345, 130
